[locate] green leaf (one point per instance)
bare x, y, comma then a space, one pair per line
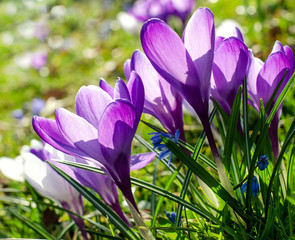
210, 181
98, 204
36, 227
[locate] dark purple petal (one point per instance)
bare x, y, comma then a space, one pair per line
289, 53
139, 161
91, 102
136, 90
229, 69
115, 133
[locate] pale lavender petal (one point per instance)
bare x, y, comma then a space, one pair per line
199, 40
121, 90
218, 41
106, 87
79, 132
255, 66
127, 68
91, 102
139, 161
271, 74
136, 90
277, 47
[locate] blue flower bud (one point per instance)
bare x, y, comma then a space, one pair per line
263, 162
254, 188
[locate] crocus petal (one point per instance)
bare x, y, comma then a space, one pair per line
91, 102
136, 89
106, 87
139, 161
270, 75
12, 168
229, 68
127, 68
167, 53
115, 133
255, 66
121, 90
79, 132
277, 47
199, 40
289, 53
48, 130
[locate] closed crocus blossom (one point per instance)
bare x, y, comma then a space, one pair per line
161, 99
263, 78
102, 130
229, 69
185, 63
49, 184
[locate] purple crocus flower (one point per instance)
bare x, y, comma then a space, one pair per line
163, 9
229, 69
161, 99
39, 60
41, 30
45, 180
102, 130
185, 63
263, 78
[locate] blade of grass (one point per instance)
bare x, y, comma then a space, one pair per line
98, 204
245, 123
195, 156
36, 227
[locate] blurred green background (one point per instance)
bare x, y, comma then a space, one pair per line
86, 43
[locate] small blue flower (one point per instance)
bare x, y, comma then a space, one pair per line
37, 105
263, 162
254, 188
171, 216
157, 142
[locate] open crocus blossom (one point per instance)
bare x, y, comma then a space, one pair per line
229, 69
45, 180
161, 99
263, 78
102, 130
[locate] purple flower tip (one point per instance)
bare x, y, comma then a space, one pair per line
18, 114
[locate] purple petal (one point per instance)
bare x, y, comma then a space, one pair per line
79, 132
218, 41
199, 40
115, 133
277, 47
136, 90
139, 161
271, 74
229, 69
127, 68
91, 102
289, 53
48, 130
121, 90
106, 87
166, 52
